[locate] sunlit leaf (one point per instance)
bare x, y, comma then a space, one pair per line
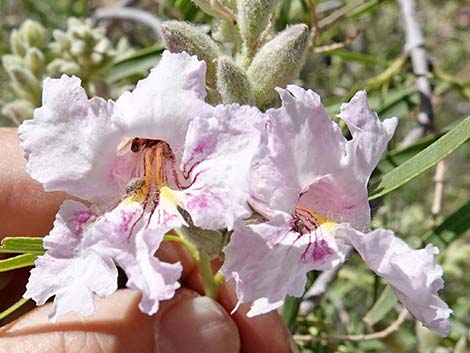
358, 57
22, 245
19, 261
396, 157
452, 228
423, 160
137, 63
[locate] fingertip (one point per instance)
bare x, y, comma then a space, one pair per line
260, 334
197, 325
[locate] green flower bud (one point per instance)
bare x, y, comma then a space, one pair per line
11, 61
35, 61
278, 63
26, 85
223, 31
233, 83
253, 17
18, 110
205, 5
181, 36
33, 33
17, 45
61, 66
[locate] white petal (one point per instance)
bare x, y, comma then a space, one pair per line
218, 157
414, 275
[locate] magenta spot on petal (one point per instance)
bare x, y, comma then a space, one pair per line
321, 250
126, 221
80, 218
200, 147
199, 201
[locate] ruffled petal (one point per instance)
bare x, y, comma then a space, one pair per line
71, 143
342, 194
269, 261
132, 238
218, 155
70, 271
370, 136
162, 105
304, 145
413, 275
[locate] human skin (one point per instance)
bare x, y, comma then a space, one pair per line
187, 323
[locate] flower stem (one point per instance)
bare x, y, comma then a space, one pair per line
208, 279
210, 282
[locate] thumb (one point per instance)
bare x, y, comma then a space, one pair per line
186, 323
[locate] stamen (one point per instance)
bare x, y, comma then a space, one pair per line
159, 159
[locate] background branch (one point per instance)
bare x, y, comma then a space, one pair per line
362, 337
415, 48
131, 14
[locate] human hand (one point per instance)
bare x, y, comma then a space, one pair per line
186, 323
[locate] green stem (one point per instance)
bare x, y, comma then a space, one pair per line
187, 244
210, 282
13, 308
19, 261
208, 279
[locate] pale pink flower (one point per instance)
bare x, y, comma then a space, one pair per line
138, 160
307, 180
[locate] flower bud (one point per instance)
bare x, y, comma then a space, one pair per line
278, 63
181, 36
18, 110
253, 17
205, 6
35, 61
10, 61
16, 44
233, 83
26, 85
61, 66
33, 33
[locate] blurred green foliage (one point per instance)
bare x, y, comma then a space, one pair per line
370, 58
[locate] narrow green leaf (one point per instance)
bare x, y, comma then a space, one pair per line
13, 308
358, 57
423, 160
137, 63
396, 157
22, 245
19, 261
382, 306
453, 227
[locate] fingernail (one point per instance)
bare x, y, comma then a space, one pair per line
197, 325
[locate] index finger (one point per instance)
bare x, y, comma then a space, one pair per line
26, 210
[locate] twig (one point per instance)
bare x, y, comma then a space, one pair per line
312, 7
131, 14
362, 337
414, 46
335, 46
438, 190
315, 294
339, 14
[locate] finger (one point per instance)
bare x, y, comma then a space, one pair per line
187, 323
261, 334
26, 209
